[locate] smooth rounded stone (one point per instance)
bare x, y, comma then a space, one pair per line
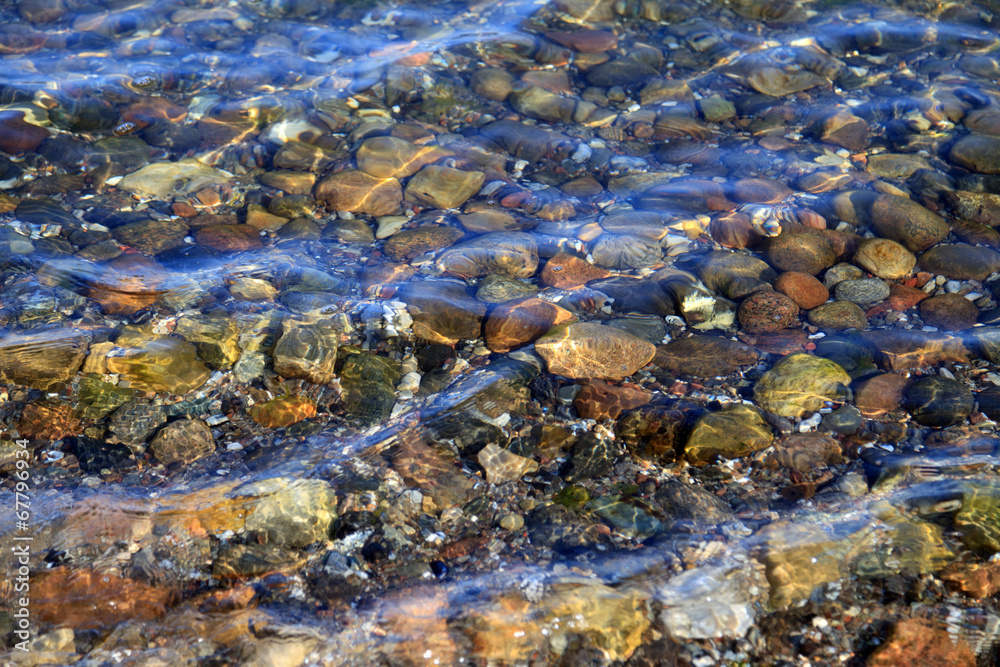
44, 211
513, 254
291, 182
845, 420
567, 271
135, 421
229, 238
950, 312
620, 72
805, 290
518, 323
907, 222
587, 350
716, 109
47, 420
368, 387
844, 129
288, 512
766, 311
443, 311
410, 243
853, 206
806, 253
634, 295
584, 186
734, 275
959, 261
647, 224
838, 315
978, 207
881, 394
443, 187
823, 180
778, 82
704, 356
349, 231
17, 134
157, 363
259, 217
300, 156
283, 411
502, 465
168, 180
863, 292
896, 165
390, 157
215, 335
986, 342
977, 152
490, 220
306, 350
801, 383
916, 641
152, 237
759, 191
492, 83
732, 432
989, 402
293, 206
496, 288
252, 289
623, 251
357, 192
903, 349
183, 441
885, 258
938, 401
536, 102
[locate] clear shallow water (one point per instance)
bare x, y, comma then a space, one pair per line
425, 495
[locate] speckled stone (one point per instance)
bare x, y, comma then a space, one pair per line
950, 312
863, 292
934, 400
704, 356
804, 289
765, 311
801, 383
588, 350
838, 315
409, 243
959, 261
799, 251
135, 421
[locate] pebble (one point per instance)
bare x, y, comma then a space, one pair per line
183, 441
767, 311
838, 315
802, 288
938, 401
567, 271
949, 312
587, 350
904, 220
800, 251
443, 187
885, 258
960, 261
357, 192
801, 383
977, 152
411, 243
522, 321
863, 292
732, 432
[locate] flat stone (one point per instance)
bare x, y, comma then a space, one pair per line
490, 220
19, 135
620, 72
587, 350
288, 512
357, 192
290, 182
625, 251
492, 83
183, 441
806, 452
949, 312
917, 641
47, 420
804, 289
502, 465
216, 337
566, 271
390, 157
734, 275
801, 383
346, 231
766, 311
229, 238
978, 207
513, 254
760, 191
283, 411
152, 236
167, 180
496, 288
409, 243
520, 322
977, 152
904, 349
306, 350
157, 363
885, 258
704, 356
443, 187
904, 220
600, 400
45, 360
732, 432
259, 217
844, 129
959, 261
443, 311
838, 315
135, 421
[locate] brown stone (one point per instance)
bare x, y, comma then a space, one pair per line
357, 192
409, 243
838, 315
443, 187
566, 271
977, 152
880, 394
283, 411
950, 312
765, 311
491, 220
786, 341
18, 135
600, 400
733, 229
151, 109
85, 599
517, 323
46, 420
885, 258
704, 356
805, 452
44, 360
290, 182
903, 349
844, 129
390, 157
799, 251
152, 236
588, 350
760, 191
157, 363
973, 579
960, 261
916, 642
260, 218
184, 441
443, 311
901, 298
805, 290
229, 238
585, 41
907, 222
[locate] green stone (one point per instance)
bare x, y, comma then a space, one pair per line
801, 383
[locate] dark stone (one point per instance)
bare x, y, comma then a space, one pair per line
95, 455
938, 401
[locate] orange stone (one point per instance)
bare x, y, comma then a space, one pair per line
916, 642
517, 323
48, 421
566, 271
85, 599
880, 394
152, 109
802, 288
600, 400
229, 238
283, 411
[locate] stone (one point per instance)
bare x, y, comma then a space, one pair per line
950, 312
17, 135
804, 289
150, 362
288, 512
901, 298
766, 311
567, 271
592, 456
46, 420
97, 398
844, 129
306, 350
734, 275
289, 182
600, 400
513, 254
517, 323
215, 335
368, 388
904, 220
806, 253
259, 217
135, 421
625, 251
634, 295
864, 292
229, 238
283, 411
922, 643
704, 356
432, 468
732, 432
779, 81
443, 311
885, 258
410, 243
585, 41
496, 288
938, 401
801, 383
492, 83
168, 180
977, 152
183, 441
973, 579
443, 187
45, 360
838, 315
347, 231
881, 394
798, 558
491, 220
537, 102
620, 72
502, 465
959, 261
252, 289
588, 350
355, 191
712, 601
759, 190
896, 165
391, 157
85, 599
152, 236
806, 452
986, 342
902, 349
978, 207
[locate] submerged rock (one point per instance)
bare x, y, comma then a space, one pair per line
801, 383
587, 350
734, 431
